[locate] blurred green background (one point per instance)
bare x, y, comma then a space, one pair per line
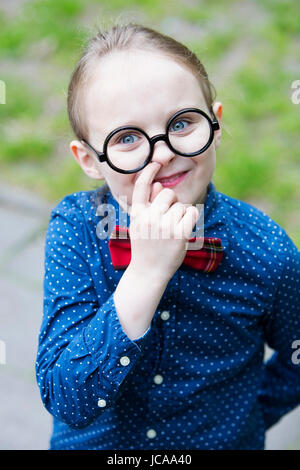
251, 50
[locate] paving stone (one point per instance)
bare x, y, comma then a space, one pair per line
27, 266
19, 199
285, 435
16, 228
25, 422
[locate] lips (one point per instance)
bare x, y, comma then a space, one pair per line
172, 180
169, 178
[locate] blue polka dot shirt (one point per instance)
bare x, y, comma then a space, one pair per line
197, 378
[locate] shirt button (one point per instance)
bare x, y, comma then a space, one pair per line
158, 379
165, 315
101, 403
124, 360
151, 433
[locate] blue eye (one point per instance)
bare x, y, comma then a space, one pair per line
178, 126
127, 139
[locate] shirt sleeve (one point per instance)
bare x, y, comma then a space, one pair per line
280, 392
83, 354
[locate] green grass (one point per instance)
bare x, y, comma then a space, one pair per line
214, 47
22, 101
259, 156
285, 15
26, 148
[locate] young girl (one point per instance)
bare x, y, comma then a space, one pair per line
146, 344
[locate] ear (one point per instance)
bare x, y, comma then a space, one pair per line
218, 110
87, 161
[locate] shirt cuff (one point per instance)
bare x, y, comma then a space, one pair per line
111, 349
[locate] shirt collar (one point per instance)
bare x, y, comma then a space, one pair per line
209, 203
215, 215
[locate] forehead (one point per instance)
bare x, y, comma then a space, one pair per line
134, 87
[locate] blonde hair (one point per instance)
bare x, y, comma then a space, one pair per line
125, 37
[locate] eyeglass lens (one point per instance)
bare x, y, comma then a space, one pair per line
188, 133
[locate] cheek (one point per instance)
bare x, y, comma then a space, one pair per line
206, 161
118, 181
122, 187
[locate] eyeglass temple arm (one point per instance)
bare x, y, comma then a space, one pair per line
215, 122
100, 155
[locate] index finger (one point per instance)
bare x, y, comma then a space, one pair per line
142, 186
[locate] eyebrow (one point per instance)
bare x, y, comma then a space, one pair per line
135, 123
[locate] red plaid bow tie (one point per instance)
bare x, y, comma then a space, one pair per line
205, 259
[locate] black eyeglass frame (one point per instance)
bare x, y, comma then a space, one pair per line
103, 157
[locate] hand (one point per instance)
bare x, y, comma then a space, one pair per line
160, 226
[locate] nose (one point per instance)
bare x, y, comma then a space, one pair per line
162, 152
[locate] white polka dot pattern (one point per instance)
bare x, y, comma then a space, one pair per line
196, 378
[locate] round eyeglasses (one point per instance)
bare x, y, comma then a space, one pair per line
129, 149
